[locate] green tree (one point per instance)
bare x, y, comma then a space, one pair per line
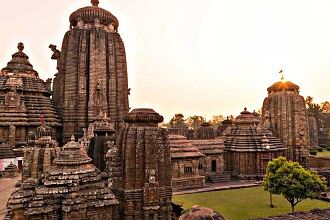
216, 120
292, 181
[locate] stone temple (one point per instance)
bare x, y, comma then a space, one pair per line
284, 113
24, 100
92, 71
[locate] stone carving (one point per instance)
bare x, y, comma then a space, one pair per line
56, 53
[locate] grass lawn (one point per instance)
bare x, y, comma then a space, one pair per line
240, 204
323, 153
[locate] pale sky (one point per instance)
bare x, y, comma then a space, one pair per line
203, 57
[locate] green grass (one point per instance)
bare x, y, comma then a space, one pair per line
323, 153
240, 204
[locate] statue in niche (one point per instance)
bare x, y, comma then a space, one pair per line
266, 123
152, 178
99, 100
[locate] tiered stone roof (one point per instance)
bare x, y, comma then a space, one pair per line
212, 146
244, 135
182, 148
25, 97
71, 184
6, 151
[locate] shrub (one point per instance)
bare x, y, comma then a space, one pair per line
313, 152
328, 148
319, 149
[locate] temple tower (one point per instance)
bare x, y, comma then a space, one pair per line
284, 113
92, 71
139, 167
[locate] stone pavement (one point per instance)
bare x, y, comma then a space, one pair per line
7, 186
220, 186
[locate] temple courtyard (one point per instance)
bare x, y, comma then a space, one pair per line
245, 203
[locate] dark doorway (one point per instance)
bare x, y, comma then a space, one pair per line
20, 165
214, 166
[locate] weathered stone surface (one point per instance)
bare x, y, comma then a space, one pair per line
212, 166
24, 99
249, 147
313, 132
42, 149
198, 213
92, 71
284, 113
10, 171
139, 165
72, 188
186, 160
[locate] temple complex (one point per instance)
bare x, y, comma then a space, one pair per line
284, 113
186, 160
249, 147
139, 167
92, 71
24, 100
72, 188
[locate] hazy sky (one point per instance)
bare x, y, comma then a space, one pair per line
203, 57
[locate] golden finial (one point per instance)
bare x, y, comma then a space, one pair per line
95, 3
20, 46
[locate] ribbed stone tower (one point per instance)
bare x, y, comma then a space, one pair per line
92, 71
140, 167
284, 113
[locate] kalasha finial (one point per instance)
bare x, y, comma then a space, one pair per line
72, 138
245, 109
95, 3
20, 46
282, 75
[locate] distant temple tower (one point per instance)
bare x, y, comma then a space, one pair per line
92, 71
284, 113
140, 167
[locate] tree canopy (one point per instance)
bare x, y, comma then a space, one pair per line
292, 181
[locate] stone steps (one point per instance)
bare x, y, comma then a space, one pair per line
218, 178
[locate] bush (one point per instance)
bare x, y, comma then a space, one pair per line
313, 152
319, 149
328, 148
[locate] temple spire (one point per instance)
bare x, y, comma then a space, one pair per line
282, 75
95, 3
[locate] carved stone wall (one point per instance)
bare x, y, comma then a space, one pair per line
284, 113
139, 167
92, 71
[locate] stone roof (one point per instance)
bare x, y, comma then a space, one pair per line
283, 85
245, 135
71, 183
182, 148
211, 146
20, 62
90, 13
143, 116
11, 167
24, 96
6, 151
